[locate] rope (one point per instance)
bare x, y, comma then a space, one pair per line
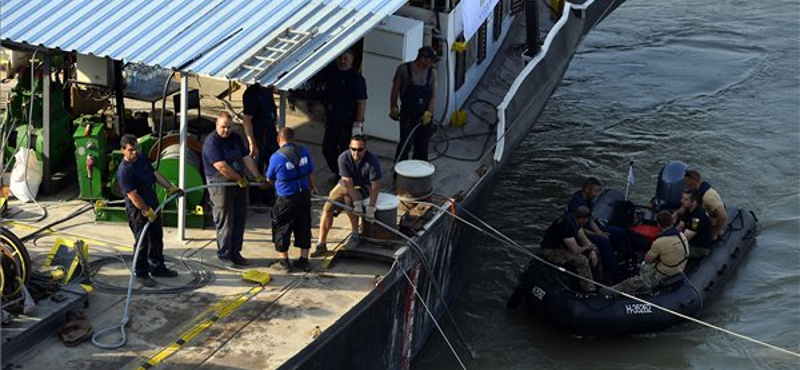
509, 242
434, 282
428, 310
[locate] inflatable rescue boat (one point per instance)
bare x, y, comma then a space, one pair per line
556, 298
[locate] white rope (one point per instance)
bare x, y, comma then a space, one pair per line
508, 241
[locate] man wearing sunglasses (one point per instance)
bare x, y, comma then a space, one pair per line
360, 173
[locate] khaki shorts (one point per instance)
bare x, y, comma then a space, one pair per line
339, 194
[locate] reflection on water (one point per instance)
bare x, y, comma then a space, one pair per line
714, 84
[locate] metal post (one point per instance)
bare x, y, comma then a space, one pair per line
119, 93
184, 129
282, 108
46, 170
532, 27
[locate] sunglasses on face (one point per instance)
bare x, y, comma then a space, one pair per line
357, 149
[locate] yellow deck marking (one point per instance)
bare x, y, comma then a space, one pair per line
206, 320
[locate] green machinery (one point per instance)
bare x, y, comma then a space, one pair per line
97, 173
17, 128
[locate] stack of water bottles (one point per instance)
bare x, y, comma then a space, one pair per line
145, 81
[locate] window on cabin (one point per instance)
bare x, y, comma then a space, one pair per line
497, 22
481, 49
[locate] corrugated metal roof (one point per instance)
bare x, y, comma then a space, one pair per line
206, 37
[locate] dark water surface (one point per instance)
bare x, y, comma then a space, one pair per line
713, 83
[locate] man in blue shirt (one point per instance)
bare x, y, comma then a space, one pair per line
360, 173
136, 179
226, 159
292, 172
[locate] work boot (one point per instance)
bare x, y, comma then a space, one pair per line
320, 250
238, 260
302, 264
283, 265
146, 281
163, 271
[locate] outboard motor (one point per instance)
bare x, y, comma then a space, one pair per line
670, 186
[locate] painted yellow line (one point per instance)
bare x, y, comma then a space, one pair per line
206, 320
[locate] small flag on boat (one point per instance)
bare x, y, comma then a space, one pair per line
631, 178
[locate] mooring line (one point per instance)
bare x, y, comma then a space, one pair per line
428, 310
510, 242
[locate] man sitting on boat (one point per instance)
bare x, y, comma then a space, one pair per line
710, 200
695, 224
606, 238
666, 257
565, 243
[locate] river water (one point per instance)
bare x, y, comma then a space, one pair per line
715, 84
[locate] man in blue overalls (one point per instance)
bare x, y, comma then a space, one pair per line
292, 172
225, 159
136, 179
345, 104
415, 85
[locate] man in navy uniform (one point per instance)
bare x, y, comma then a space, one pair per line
360, 173
292, 172
226, 159
695, 224
345, 104
710, 200
565, 243
606, 238
259, 119
136, 179
415, 85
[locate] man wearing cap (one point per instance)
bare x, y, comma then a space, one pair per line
360, 173
710, 200
415, 85
565, 243
345, 104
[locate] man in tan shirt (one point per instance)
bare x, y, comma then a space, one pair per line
711, 201
666, 257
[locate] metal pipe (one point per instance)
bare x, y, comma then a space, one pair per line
184, 129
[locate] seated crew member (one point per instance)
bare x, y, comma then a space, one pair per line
710, 200
360, 173
666, 257
695, 224
606, 238
565, 243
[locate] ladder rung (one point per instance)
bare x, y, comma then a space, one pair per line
266, 59
253, 67
288, 41
277, 50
